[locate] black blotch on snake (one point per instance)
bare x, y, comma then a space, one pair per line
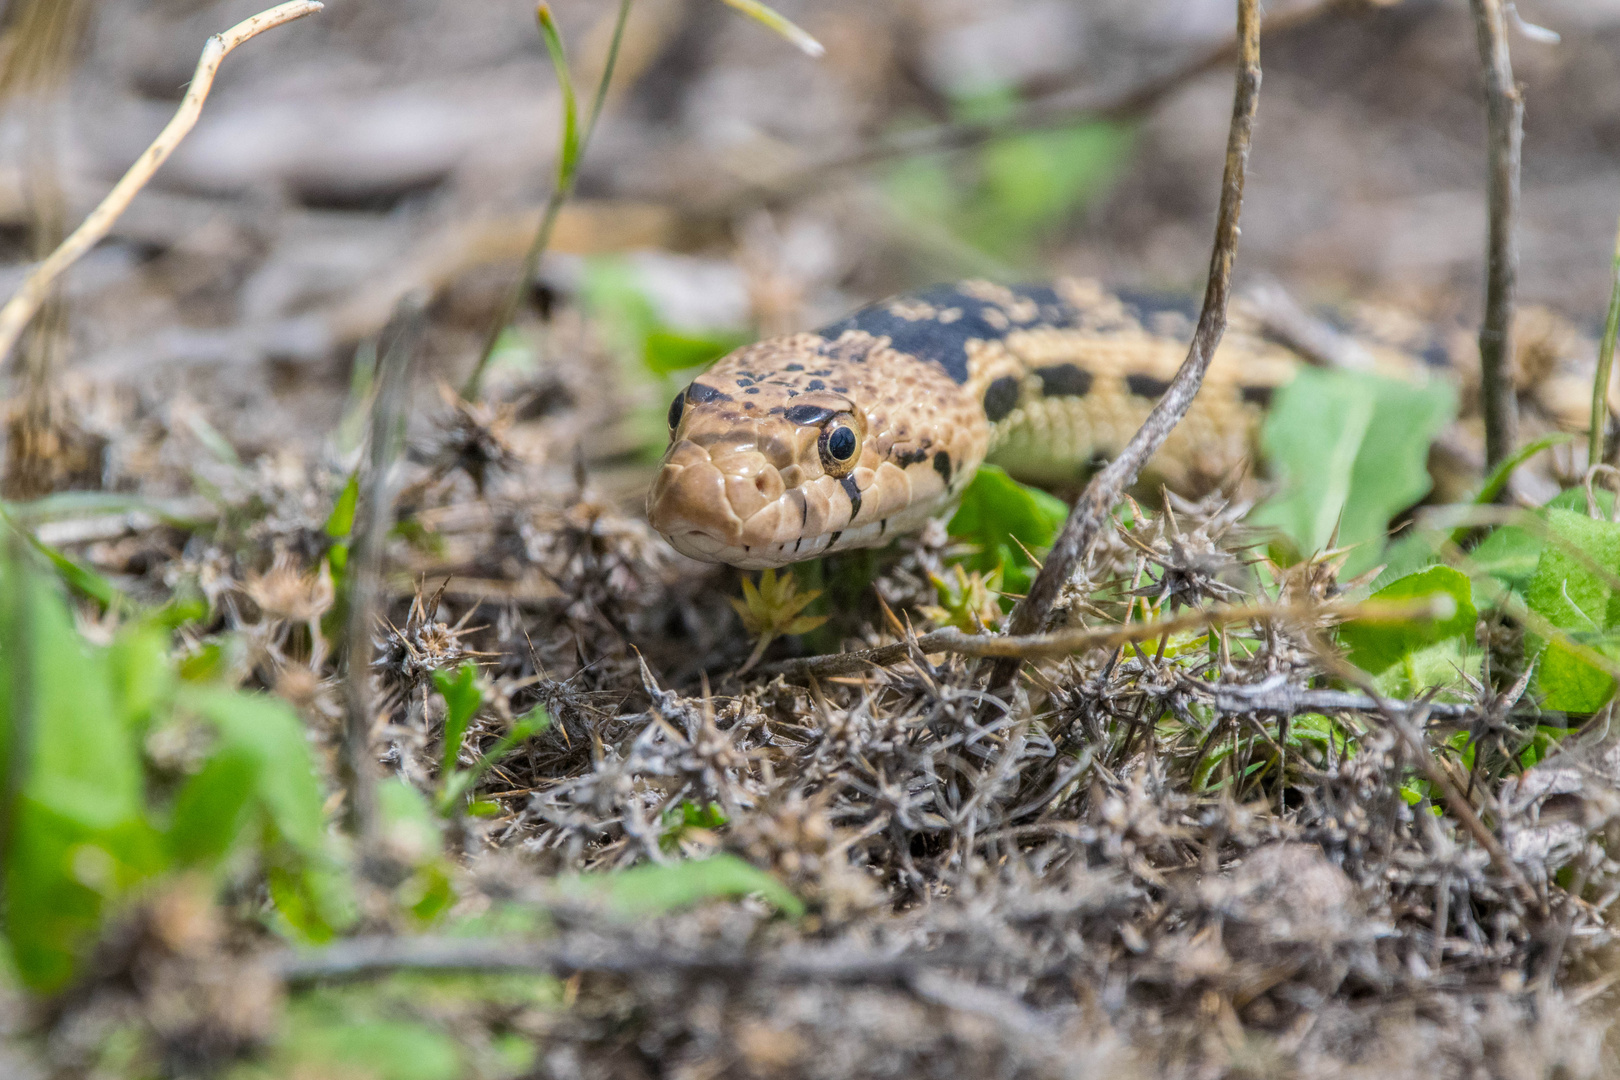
1000, 397
1064, 380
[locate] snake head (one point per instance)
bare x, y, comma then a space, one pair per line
799, 446
757, 482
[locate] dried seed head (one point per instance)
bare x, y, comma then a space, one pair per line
284, 592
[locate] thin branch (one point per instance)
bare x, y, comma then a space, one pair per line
1505, 122
22, 307
1055, 109
567, 172
1605, 363
366, 957
1091, 510
401, 340
1064, 642
1279, 697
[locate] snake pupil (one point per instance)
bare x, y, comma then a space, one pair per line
676, 407
841, 444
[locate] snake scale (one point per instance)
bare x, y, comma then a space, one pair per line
819, 442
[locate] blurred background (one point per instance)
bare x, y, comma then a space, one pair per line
738, 186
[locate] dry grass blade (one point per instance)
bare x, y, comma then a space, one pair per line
14, 317
1091, 510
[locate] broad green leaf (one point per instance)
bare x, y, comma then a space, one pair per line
1440, 665
651, 889
1351, 451
78, 833
1571, 683
995, 511
409, 826
143, 677
667, 351
323, 1041
1566, 590
1374, 646
1572, 595
213, 808
1511, 553
266, 731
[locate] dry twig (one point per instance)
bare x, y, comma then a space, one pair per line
1091, 510
14, 317
1505, 119
401, 341
372, 956
1061, 643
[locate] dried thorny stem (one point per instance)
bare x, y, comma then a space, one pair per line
370, 957
1505, 123
14, 317
401, 341
1091, 510
1064, 642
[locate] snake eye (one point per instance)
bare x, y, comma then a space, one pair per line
676, 408
838, 446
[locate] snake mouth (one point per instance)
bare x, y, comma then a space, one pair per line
737, 508
733, 505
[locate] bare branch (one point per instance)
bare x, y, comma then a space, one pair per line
22, 307
1505, 121
1091, 510
1064, 642
364, 957
400, 341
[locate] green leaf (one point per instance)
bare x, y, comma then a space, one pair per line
1566, 590
568, 155
143, 676
996, 510
340, 522
652, 889
409, 826
1570, 682
462, 700
81, 579
1573, 596
1497, 480
666, 351
213, 808
1374, 646
781, 24
327, 1041
464, 780
1352, 451
78, 833
266, 731
269, 741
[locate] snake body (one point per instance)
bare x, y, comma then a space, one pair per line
813, 443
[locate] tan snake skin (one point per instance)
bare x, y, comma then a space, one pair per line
820, 442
